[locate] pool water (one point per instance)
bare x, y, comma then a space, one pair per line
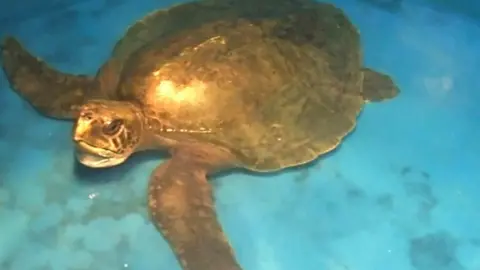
401, 193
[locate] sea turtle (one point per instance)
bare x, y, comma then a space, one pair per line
256, 84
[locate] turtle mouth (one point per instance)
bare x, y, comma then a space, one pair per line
95, 157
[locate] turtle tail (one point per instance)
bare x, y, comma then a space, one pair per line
50, 92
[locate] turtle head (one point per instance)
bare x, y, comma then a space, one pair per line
107, 132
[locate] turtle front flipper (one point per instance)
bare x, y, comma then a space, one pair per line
378, 86
182, 208
49, 91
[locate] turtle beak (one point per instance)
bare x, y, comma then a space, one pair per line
93, 157
80, 128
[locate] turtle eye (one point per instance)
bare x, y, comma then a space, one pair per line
87, 115
113, 127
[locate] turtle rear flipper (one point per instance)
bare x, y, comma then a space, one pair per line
378, 86
52, 93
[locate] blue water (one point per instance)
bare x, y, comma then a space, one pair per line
402, 193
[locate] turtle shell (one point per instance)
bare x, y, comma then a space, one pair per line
162, 23
277, 90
